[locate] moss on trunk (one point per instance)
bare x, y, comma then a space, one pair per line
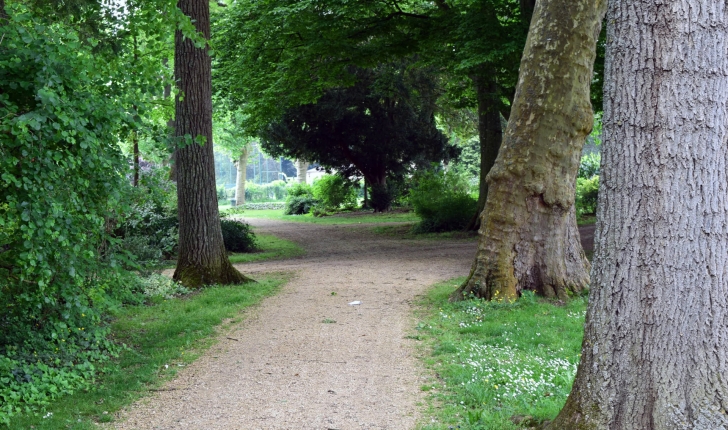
529, 239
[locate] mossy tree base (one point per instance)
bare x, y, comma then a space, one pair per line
196, 276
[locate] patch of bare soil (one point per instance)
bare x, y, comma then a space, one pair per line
306, 358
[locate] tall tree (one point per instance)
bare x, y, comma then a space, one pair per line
230, 137
376, 129
655, 351
529, 239
202, 258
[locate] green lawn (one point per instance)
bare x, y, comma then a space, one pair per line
360, 217
162, 337
270, 248
494, 361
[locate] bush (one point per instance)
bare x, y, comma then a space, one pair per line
276, 190
147, 226
587, 193
333, 192
299, 205
300, 190
442, 202
589, 165
62, 174
238, 236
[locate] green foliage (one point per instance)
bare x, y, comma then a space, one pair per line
146, 221
498, 360
300, 190
61, 177
587, 194
273, 191
378, 128
237, 236
442, 201
299, 205
589, 166
334, 192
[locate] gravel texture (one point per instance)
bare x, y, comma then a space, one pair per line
306, 359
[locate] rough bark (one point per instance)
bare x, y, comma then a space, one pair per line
202, 257
301, 169
529, 239
490, 134
655, 351
240, 178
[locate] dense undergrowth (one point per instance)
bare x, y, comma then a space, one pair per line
498, 366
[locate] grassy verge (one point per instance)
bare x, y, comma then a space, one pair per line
271, 248
361, 217
162, 337
497, 363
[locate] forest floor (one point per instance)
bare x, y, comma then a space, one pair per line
308, 358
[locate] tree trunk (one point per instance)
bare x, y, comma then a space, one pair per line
301, 169
202, 258
135, 150
3, 13
490, 134
241, 176
655, 350
529, 239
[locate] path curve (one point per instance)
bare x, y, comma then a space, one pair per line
287, 369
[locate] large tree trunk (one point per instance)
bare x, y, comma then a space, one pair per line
241, 176
529, 239
655, 351
202, 258
490, 134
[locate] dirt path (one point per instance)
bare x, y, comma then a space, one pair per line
285, 368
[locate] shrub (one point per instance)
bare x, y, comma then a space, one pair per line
299, 205
587, 193
238, 236
62, 173
589, 165
333, 192
442, 202
221, 193
299, 190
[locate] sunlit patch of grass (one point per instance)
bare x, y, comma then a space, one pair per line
495, 361
161, 339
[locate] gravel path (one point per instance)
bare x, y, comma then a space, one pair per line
290, 366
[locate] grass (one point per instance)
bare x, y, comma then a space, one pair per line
495, 361
360, 217
270, 248
161, 339
589, 219
406, 232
